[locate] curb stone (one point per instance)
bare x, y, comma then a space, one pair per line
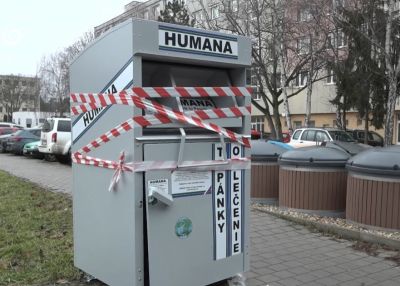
336, 230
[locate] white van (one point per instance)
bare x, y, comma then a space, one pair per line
55, 138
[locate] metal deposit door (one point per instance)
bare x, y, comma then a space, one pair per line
194, 234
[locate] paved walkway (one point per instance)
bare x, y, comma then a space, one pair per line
50, 175
282, 253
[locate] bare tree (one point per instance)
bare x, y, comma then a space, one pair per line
13, 93
277, 62
54, 73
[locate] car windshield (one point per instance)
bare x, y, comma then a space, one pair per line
341, 136
48, 125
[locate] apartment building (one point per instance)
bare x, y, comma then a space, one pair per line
20, 92
211, 12
149, 10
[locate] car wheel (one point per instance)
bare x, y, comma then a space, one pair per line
50, 157
63, 159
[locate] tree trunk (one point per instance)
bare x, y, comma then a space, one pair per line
284, 91
277, 120
390, 109
392, 72
309, 86
366, 127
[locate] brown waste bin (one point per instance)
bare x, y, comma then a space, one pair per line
313, 179
373, 188
265, 170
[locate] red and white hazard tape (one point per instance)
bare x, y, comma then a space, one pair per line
137, 97
159, 92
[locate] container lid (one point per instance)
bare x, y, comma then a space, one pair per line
377, 161
352, 148
315, 156
266, 151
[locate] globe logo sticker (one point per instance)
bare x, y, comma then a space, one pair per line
183, 227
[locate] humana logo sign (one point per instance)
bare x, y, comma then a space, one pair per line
182, 40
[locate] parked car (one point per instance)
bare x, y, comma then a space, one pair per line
8, 130
374, 139
304, 137
17, 141
9, 124
31, 150
3, 140
56, 138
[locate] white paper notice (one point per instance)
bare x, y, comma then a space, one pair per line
190, 182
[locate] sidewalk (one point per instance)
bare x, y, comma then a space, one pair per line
282, 253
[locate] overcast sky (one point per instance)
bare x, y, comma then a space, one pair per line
30, 29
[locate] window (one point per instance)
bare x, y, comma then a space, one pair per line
331, 76
156, 11
248, 76
256, 94
198, 16
214, 12
308, 135
64, 126
311, 123
330, 41
296, 134
235, 5
297, 124
301, 79
341, 39
325, 125
278, 80
303, 14
321, 136
251, 79
257, 123
303, 45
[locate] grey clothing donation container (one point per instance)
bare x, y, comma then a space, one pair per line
313, 179
265, 171
352, 148
161, 172
373, 188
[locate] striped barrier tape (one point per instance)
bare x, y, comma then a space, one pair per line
160, 92
162, 115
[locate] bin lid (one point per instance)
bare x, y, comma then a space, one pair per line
353, 148
315, 156
266, 151
377, 161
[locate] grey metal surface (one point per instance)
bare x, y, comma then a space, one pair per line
109, 226
264, 151
353, 148
377, 161
173, 260
314, 157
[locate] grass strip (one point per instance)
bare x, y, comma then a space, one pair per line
35, 234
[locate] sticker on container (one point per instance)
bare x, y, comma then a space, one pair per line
160, 185
183, 227
190, 183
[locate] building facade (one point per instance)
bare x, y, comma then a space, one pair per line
149, 10
211, 13
18, 93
